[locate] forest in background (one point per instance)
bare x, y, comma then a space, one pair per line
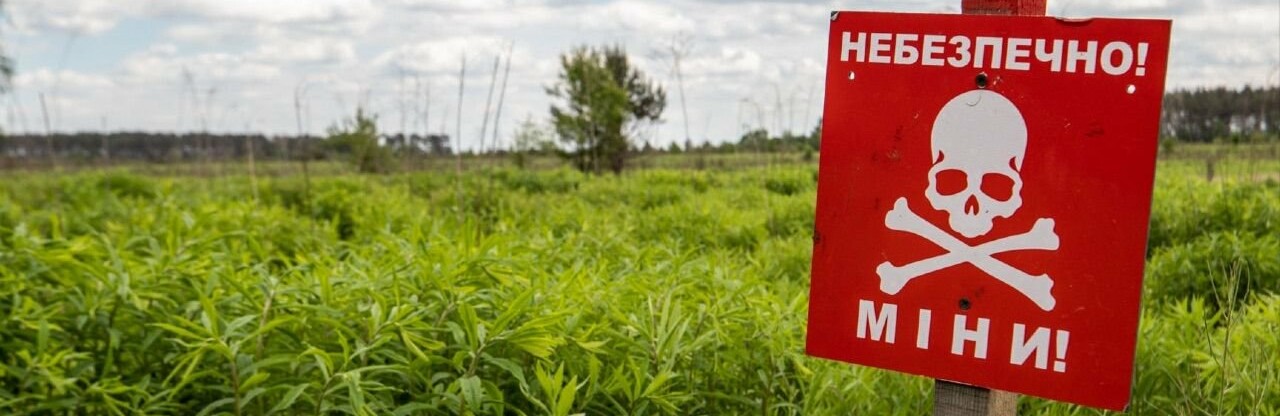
1202, 115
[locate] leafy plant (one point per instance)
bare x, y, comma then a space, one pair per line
358, 139
656, 292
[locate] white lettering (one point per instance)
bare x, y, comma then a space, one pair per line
962, 57
960, 333
1126, 58
1017, 50
1052, 56
879, 43
847, 44
994, 52
922, 331
882, 325
931, 49
1089, 56
903, 53
991, 44
1064, 339
1142, 59
1023, 347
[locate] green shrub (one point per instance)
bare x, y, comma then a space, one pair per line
789, 183
1215, 266
1184, 210
660, 292
559, 181
125, 185
791, 217
330, 201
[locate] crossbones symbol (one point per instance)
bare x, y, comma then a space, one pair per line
1041, 237
978, 143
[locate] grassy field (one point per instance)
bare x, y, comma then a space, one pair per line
662, 291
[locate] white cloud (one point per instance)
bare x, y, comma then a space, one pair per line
276, 11
748, 57
449, 5
307, 52
44, 79
160, 66
75, 17
440, 56
729, 60
635, 15
207, 33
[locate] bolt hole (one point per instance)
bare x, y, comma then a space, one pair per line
981, 80
964, 304
851, 76
1131, 89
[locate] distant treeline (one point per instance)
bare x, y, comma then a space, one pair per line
1209, 114
1199, 115
171, 147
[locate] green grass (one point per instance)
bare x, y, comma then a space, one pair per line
548, 292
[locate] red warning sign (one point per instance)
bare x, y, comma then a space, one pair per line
983, 197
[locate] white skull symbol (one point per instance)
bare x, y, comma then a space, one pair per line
978, 140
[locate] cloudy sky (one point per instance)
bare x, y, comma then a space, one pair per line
236, 65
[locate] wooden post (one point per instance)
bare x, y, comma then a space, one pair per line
954, 399
1004, 7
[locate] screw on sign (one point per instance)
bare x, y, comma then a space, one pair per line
983, 198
